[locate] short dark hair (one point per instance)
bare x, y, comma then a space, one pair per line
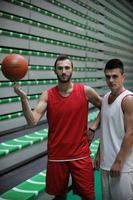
61, 58
113, 64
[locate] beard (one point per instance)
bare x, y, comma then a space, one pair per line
64, 78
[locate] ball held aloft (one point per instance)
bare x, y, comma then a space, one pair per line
14, 67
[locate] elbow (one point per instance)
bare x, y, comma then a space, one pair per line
100, 104
31, 123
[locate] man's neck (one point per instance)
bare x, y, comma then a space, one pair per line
114, 94
65, 88
117, 92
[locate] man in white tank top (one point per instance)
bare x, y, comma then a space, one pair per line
115, 154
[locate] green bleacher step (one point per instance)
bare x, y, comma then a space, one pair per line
31, 188
29, 139
28, 189
22, 142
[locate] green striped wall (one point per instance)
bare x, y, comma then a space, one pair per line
91, 32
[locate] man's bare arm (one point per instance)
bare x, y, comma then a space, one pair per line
32, 117
94, 126
127, 143
93, 97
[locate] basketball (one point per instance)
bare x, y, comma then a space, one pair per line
14, 67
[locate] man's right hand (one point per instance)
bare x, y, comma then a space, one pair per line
18, 90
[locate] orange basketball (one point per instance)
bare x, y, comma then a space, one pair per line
14, 67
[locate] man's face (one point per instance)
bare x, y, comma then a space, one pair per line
114, 79
64, 70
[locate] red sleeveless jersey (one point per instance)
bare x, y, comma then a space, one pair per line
67, 119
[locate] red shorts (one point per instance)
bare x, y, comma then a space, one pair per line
82, 175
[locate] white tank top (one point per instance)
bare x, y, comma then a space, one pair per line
112, 127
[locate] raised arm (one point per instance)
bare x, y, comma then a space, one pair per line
93, 97
127, 144
32, 116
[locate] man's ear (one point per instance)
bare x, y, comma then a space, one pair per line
124, 76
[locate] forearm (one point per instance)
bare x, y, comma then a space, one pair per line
93, 128
28, 113
95, 125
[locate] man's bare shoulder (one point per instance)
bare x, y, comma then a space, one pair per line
44, 96
88, 89
127, 103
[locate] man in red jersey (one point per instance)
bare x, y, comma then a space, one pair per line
67, 113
